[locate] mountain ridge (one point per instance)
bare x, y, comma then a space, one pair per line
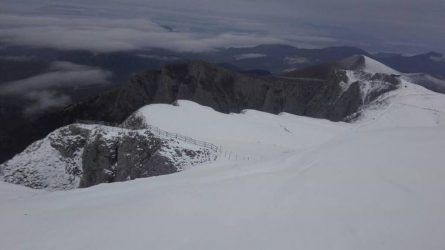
221, 89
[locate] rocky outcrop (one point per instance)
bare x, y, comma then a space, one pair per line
120, 158
86, 155
223, 90
345, 92
53, 163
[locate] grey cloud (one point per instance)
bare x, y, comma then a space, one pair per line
204, 24
43, 91
62, 74
43, 100
113, 35
249, 56
17, 58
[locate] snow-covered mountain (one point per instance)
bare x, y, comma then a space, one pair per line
81, 155
365, 64
295, 182
318, 94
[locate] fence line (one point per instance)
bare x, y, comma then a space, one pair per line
159, 132
155, 130
183, 138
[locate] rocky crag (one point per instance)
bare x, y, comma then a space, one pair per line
85, 155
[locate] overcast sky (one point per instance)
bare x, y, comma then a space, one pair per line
403, 26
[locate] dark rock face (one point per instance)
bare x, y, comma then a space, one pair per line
331, 103
123, 158
86, 155
222, 90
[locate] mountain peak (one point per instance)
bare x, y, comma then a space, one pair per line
366, 64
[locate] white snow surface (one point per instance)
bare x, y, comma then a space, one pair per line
410, 106
312, 184
253, 133
373, 66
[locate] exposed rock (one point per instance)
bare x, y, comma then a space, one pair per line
124, 158
85, 155
53, 163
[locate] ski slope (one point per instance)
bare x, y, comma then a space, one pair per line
313, 184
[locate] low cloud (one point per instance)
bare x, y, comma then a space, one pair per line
200, 25
44, 100
61, 75
46, 91
105, 35
249, 56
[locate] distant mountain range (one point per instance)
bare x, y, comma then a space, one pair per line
20, 62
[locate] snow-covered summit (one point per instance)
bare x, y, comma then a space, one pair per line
366, 64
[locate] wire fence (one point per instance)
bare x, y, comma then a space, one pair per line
159, 132
221, 152
183, 138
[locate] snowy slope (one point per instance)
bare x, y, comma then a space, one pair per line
362, 64
255, 133
427, 81
409, 106
374, 67
365, 64
313, 184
